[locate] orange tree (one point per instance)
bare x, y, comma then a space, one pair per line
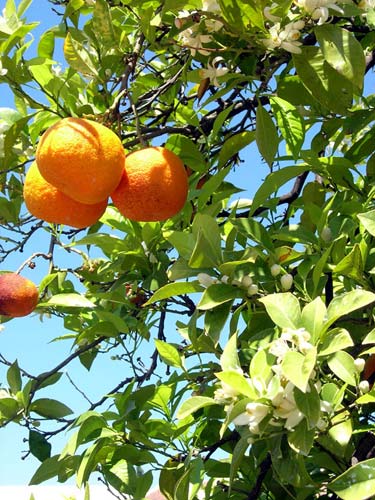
257, 314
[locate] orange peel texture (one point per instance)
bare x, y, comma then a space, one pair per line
81, 158
51, 205
18, 295
154, 185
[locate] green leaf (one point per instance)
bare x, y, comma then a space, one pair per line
343, 52
188, 151
335, 340
313, 318
14, 378
88, 462
266, 135
302, 438
48, 469
327, 86
69, 300
229, 359
309, 404
273, 183
217, 294
9, 407
290, 123
347, 303
356, 483
237, 457
173, 289
39, 446
351, 265
50, 408
77, 57
298, 368
207, 250
342, 365
238, 382
168, 353
283, 309
215, 319
194, 404
368, 221
103, 25
240, 14
234, 144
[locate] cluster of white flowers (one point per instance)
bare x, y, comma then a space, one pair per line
246, 282
319, 9
276, 400
285, 37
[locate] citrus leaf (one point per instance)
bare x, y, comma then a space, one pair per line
168, 353
68, 300
356, 483
193, 404
173, 289
266, 135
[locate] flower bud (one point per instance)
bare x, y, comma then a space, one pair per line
246, 281
326, 234
359, 364
275, 270
225, 279
205, 279
286, 282
364, 386
252, 290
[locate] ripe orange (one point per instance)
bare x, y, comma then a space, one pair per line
153, 187
18, 295
51, 205
81, 158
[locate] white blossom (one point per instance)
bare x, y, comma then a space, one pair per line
299, 338
286, 38
254, 414
56, 69
213, 71
286, 408
194, 40
268, 15
226, 394
279, 348
3, 71
210, 6
213, 25
319, 9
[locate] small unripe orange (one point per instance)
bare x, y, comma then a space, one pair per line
18, 295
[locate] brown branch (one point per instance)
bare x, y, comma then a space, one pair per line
264, 467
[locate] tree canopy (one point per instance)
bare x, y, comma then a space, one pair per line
258, 314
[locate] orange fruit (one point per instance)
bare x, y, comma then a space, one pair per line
81, 158
153, 187
51, 205
18, 295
